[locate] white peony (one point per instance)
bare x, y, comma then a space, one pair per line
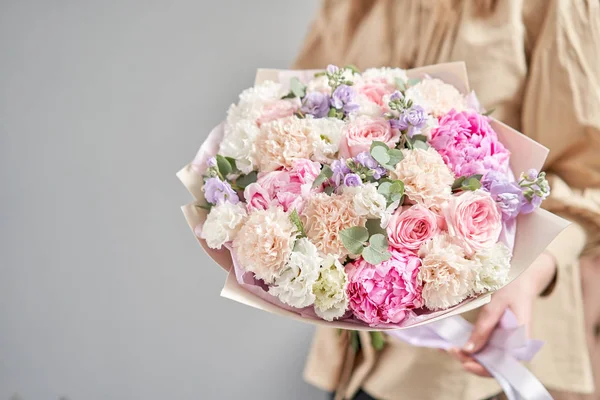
436, 97
326, 135
494, 265
222, 224
389, 74
294, 285
367, 201
331, 300
446, 275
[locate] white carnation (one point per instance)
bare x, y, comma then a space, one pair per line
238, 143
223, 223
494, 265
367, 201
331, 300
446, 275
326, 134
367, 107
389, 74
319, 84
294, 286
436, 97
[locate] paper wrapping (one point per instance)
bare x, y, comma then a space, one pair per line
534, 231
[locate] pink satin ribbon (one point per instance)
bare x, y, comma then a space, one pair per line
508, 345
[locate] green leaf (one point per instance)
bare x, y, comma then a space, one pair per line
477, 176
380, 154
384, 188
223, 165
328, 190
353, 68
396, 191
377, 340
458, 182
332, 113
325, 174
377, 143
297, 87
354, 238
418, 144
374, 227
471, 184
295, 219
377, 252
232, 163
489, 112
412, 82
400, 84
322, 73
378, 241
244, 180
422, 138
206, 206
290, 95
395, 156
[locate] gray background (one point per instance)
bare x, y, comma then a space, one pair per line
104, 293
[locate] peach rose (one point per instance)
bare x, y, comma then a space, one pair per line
412, 226
361, 132
474, 220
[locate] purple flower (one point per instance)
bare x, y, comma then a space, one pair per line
332, 69
316, 104
414, 116
398, 124
340, 169
366, 159
352, 180
211, 162
396, 96
342, 98
508, 195
217, 191
532, 175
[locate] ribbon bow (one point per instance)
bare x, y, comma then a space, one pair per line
508, 345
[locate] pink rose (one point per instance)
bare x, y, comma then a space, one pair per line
384, 293
410, 227
277, 110
257, 198
361, 132
474, 220
468, 144
375, 89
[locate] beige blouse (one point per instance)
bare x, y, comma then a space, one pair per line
537, 62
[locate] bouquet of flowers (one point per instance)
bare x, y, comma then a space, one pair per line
373, 200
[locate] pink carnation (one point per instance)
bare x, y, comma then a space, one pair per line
468, 144
384, 293
410, 227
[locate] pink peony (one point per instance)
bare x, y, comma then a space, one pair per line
384, 293
468, 144
305, 171
410, 227
361, 132
257, 197
277, 110
474, 220
375, 89
282, 190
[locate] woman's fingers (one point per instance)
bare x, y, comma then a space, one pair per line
460, 356
488, 318
475, 368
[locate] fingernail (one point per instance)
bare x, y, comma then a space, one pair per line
469, 347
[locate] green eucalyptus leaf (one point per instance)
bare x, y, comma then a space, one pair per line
377, 143
384, 188
458, 182
354, 238
380, 154
377, 340
244, 180
374, 227
422, 138
400, 84
413, 82
378, 241
418, 144
297, 87
376, 253
223, 165
395, 156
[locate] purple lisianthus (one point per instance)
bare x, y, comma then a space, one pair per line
352, 180
316, 104
396, 96
217, 191
340, 169
508, 195
342, 99
332, 69
211, 162
414, 116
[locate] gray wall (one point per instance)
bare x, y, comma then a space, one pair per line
104, 293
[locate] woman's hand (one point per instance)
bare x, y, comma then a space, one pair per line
518, 296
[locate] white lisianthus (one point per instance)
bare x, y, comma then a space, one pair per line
446, 274
319, 84
326, 136
389, 74
294, 285
494, 265
367, 201
331, 300
222, 224
436, 97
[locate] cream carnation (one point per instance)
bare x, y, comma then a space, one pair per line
389, 74
367, 201
238, 143
427, 179
446, 275
222, 224
281, 142
326, 134
294, 286
436, 97
325, 216
331, 300
264, 243
494, 265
